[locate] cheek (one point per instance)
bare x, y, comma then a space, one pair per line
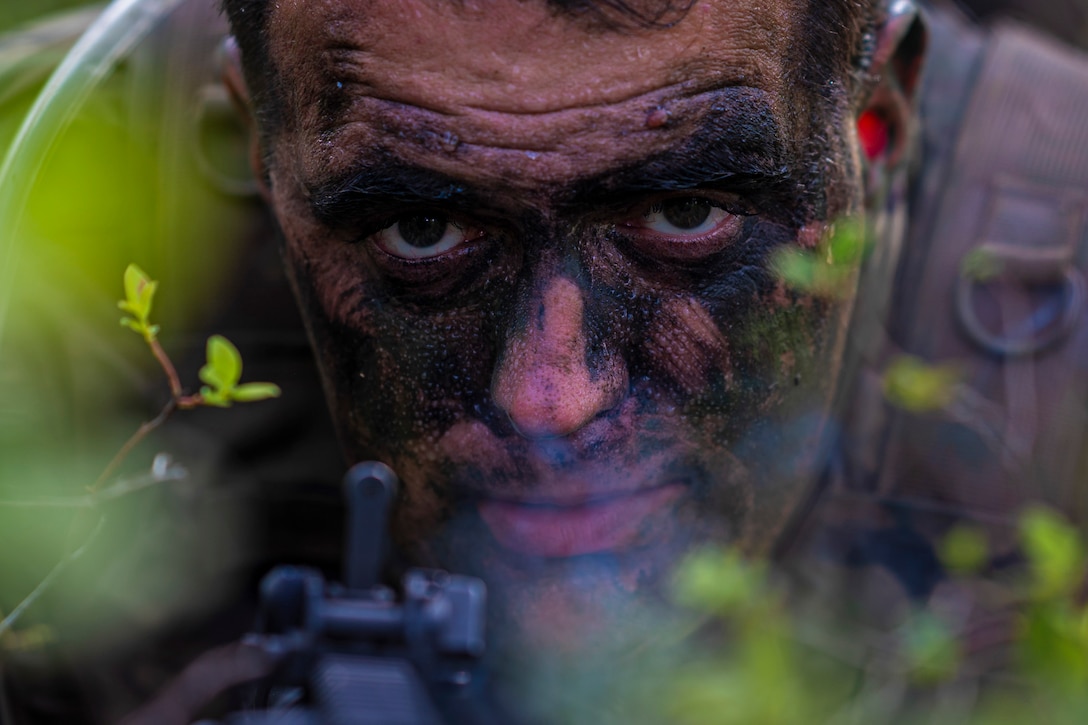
410, 377
333, 279
687, 347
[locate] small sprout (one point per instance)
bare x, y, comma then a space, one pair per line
980, 265
252, 392
139, 296
964, 551
222, 373
918, 387
1054, 551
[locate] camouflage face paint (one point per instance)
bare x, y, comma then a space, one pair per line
542, 293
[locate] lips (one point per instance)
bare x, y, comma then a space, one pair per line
614, 523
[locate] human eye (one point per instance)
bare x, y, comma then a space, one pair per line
685, 226
683, 216
423, 235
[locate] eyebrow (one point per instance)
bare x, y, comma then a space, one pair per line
737, 151
737, 148
383, 180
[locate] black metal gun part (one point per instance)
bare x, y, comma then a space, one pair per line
352, 653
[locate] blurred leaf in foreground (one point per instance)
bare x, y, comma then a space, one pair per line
931, 650
964, 551
916, 386
1055, 553
828, 269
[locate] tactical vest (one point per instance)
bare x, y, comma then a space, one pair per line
999, 182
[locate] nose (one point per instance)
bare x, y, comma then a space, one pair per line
544, 381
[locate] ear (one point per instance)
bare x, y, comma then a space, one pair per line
885, 121
235, 81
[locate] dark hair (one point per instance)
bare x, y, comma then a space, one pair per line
248, 23
833, 63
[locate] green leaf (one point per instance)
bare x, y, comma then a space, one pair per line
1050, 646
139, 292
965, 550
132, 325
795, 268
147, 294
214, 398
1054, 551
252, 392
134, 277
222, 373
812, 272
224, 366
847, 245
719, 581
916, 386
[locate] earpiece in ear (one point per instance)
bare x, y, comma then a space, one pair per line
873, 134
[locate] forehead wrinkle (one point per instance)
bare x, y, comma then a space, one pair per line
704, 160
526, 99
533, 147
492, 60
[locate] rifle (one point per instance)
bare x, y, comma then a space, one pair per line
350, 653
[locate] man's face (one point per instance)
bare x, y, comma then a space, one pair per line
534, 258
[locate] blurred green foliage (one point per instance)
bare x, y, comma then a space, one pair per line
916, 386
829, 269
118, 183
964, 550
758, 661
14, 13
222, 373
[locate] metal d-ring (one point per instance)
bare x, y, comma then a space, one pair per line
1075, 294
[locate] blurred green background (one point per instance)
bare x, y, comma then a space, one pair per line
126, 178
17, 12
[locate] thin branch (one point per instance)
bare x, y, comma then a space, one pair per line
162, 471
133, 441
9, 621
168, 367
